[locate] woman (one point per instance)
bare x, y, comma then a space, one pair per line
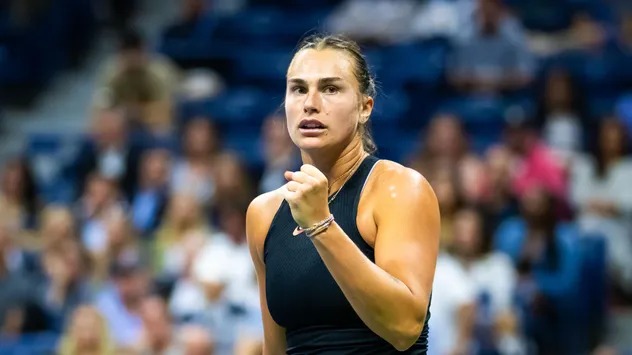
87, 334
546, 254
562, 113
600, 193
474, 288
345, 252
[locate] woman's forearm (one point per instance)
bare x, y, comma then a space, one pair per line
385, 304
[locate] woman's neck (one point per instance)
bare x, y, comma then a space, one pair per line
336, 164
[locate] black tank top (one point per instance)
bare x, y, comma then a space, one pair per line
305, 299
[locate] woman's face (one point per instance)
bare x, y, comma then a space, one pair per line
13, 179
87, 327
446, 192
611, 137
445, 136
558, 90
322, 101
535, 203
467, 233
199, 137
184, 208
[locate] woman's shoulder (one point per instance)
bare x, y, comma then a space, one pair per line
259, 216
395, 173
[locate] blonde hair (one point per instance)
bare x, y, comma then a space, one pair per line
68, 343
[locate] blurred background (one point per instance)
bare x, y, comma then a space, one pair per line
134, 133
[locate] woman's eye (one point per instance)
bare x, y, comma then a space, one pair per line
299, 90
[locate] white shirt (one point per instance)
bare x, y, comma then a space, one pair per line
455, 287
223, 261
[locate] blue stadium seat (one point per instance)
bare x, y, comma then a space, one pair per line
391, 108
422, 63
47, 153
247, 144
482, 116
237, 106
263, 66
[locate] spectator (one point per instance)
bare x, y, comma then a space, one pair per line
447, 188
601, 194
121, 245
498, 200
120, 302
18, 196
57, 225
184, 220
534, 164
110, 152
196, 341
546, 255
18, 301
158, 335
98, 201
233, 181
64, 287
185, 26
141, 83
223, 266
151, 198
193, 172
446, 146
493, 56
280, 153
562, 114
88, 334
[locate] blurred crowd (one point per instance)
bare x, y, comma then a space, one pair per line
147, 253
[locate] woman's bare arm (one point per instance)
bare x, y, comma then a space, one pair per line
391, 295
258, 219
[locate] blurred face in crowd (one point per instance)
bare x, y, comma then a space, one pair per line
536, 204
230, 173
276, 137
100, 191
156, 319
445, 188
87, 327
156, 167
626, 28
5, 238
445, 137
558, 90
57, 223
132, 285
197, 341
498, 164
232, 222
13, 179
184, 209
491, 13
110, 128
200, 137
467, 231
323, 105
612, 137
134, 58
118, 229
193, 8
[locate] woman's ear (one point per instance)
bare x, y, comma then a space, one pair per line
366, 109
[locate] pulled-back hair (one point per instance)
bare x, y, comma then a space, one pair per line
361, 72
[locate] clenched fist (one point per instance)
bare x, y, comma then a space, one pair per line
306, 192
